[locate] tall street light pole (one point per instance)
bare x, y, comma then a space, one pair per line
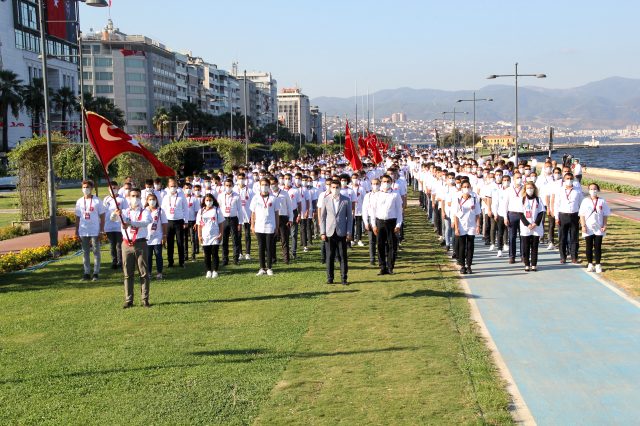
455, 135
516, 75
246, 126
474, 100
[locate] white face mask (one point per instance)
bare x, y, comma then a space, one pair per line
274, 188
228, 189
86, 191
458, 185
384, 186
344, 183
264, 189
134, 201
593, 192
465, 190
187, 191
530, 191
518, 181
157, 186
208, 203
297, 181
152, 203
335, 191
375, 187
568, 183
287, 182
506, 184
173, 189
241, 182
556, 176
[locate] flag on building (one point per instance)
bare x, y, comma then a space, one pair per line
108, 141
128, 52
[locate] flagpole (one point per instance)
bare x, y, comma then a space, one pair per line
106, 173
356, 107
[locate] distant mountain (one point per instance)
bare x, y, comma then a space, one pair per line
610, 103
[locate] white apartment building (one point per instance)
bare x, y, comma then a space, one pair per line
294, 111
266, 95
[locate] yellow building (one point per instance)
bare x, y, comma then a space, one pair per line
501, 141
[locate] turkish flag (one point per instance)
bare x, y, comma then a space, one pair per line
350, 150
373, 146
108, 141
129, 52
362, 145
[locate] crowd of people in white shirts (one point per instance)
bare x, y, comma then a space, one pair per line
209, 213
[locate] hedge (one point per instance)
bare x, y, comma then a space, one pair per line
15, 261
613, 187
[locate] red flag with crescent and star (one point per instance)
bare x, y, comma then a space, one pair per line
373, 147
108, 141
350, 150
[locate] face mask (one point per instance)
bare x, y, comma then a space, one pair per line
86, 191
173, 189
527, 172
196, 193
568, 183
287, 182
344, 183
207, 185
375, 188
593, 192
228, 189
187, 191
335, 191
521, 170
498, 179
264, 189
309, 184
556, 176
465, 190
208, 203
530, 191
518, 181
157, 187
506, 184
384, 186
547, 170
452, 182
458, 185
134, 202
297, 181
532, 179
241, 182
152, 203
274, 188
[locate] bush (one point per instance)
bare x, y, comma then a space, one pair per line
283, 150
15, 261
8, 232
231, 151
613, 187
178, 154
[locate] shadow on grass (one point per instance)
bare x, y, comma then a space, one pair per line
306, 295
436, 293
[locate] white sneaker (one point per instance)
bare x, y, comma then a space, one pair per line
598, 269
360, 243
590, 267
269, 272
305, 249
550, 246
492, 247
214, 274
247, 256
158, 276
505, 247
208, 274
499, 253
261, 272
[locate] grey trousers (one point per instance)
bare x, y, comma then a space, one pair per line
90, 244
132, 257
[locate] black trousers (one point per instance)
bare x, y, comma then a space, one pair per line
294, 234
387, 244
551, 230
569, 235
514, 231
115, 241
437, 220
175, 233
501, 232
336, 245
305, 232
465, 249
246, 228
530, 249
357, 231
594, 248
373, 244
283, 235
265, 243
190, 234
231, 230
211, 257
489, 229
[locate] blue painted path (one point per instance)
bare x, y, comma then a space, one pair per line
571, 343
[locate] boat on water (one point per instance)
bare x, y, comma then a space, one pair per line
593, 143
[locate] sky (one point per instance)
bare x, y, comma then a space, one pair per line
326, 46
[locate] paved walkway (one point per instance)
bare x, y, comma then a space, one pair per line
627, 206
32, 240
570, 342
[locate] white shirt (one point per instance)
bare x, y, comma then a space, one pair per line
568, 200
230, 204
245, 194
264, 209
139, 219
109, 207
514, 199
367, 209
175, 206
285, 207
154, 229
531, 209
466, 211
209, 222
360, 193
193, 205
594, 212
387, 205
88, 212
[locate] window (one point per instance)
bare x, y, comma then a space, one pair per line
19, 40
104, 76
135, 76
136, 90
137, 103
137, 116
27, 16
103, 62
96, 49
104, 88
87, 75
134, 63
86, 62
87, 89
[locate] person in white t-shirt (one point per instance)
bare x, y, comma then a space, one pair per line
157, 234
89, 225
211, 223
465, 213
264, 224
244, 217
594, 212
531, 226
112, 229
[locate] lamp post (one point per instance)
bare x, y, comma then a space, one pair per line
51, 188
474, 100
455, 135
516, 75
246, 126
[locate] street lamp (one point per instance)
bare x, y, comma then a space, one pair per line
51, 188
516, 75
474, 100
455, 135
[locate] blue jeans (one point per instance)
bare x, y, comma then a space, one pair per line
157, 250
448, 231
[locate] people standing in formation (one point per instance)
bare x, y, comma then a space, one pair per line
284, 204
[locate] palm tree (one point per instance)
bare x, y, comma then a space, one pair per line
105, 107
65, 101
10, 99
160, 119
33, 100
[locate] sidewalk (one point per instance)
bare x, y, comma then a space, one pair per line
32, 240
570, 341
627, 206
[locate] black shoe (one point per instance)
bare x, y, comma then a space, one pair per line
86, 277
182, 265
442, 243
487, 243
329, 281
146, 304
383, 272
127, 305
454, 256
372, 263
390, 271
94, 277
119, 265
236, 262
225, 262
170, 265
463, 270
114, 266
345, 282
448, 248
469, 271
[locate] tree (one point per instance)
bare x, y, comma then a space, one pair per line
160, 119
283, 150
449, 140
33, 101
10, 100
64, 100
105, 107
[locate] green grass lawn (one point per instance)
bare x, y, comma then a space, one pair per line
245, 349
621, 254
